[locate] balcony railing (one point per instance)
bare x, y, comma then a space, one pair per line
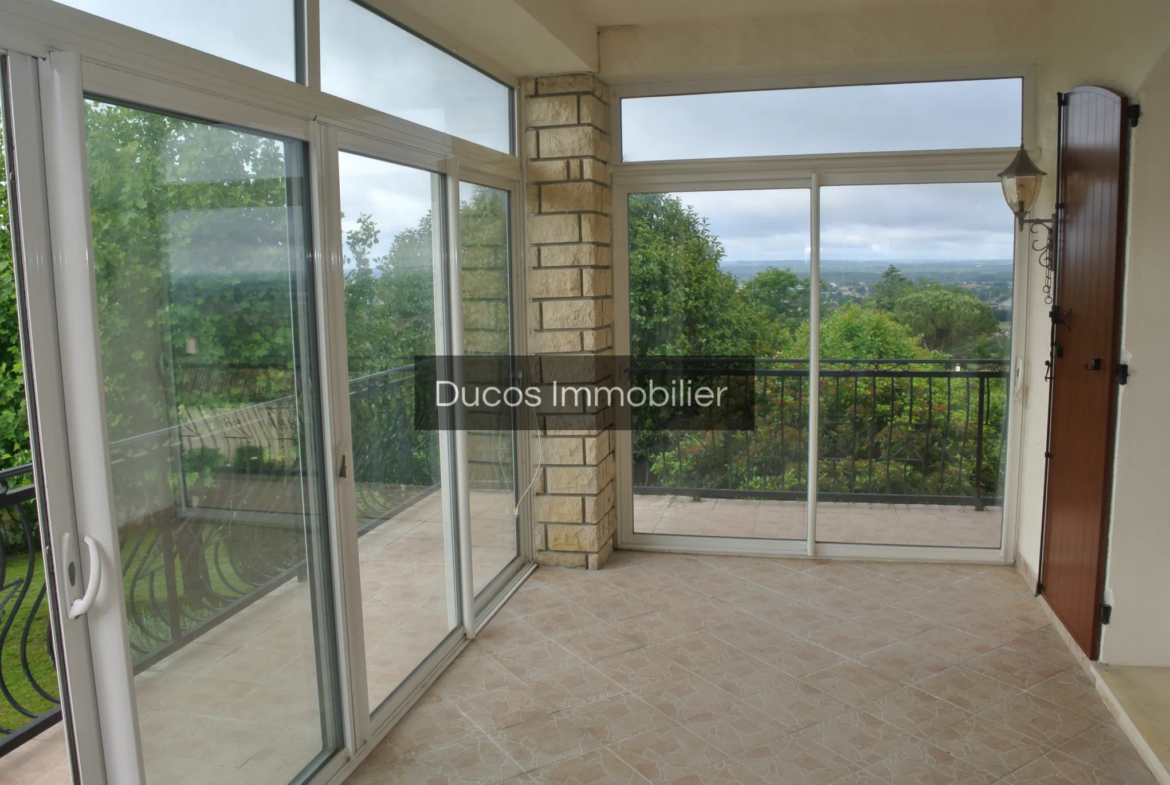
28, 682
210, 522
895, 431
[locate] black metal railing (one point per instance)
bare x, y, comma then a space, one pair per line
29, 703
896, 431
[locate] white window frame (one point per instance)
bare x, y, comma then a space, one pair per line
130, 66
814, 172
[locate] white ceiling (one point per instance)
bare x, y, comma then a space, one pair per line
615, 13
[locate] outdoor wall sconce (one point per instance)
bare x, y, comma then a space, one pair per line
1021, 185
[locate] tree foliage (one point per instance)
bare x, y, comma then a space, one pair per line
681, 302
14, 448
951, 321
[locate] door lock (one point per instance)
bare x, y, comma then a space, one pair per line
1093, 365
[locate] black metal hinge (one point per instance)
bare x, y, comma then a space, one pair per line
1123, 373
1106, 613
1039, 588
1061, 99
1135, 114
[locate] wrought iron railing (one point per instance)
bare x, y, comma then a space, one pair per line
28, 682
211, 520
896, 431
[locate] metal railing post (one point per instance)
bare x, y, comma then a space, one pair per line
979, 448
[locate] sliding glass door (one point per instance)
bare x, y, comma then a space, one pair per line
392, 225
484, 252
207, 327
916, 313
719, 281
907, 290
271, 550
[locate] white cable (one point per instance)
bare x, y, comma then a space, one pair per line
539, 463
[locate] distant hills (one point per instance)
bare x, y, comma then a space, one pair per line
867, 271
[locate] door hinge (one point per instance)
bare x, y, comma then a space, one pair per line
1135, 114
1061, 99
1106, 613
1039, 588
1123, 373
1056, 316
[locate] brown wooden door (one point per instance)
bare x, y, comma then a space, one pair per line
1093, 153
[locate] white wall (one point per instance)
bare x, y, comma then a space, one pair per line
835, 38
1139, 556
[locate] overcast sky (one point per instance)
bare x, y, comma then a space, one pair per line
952, 221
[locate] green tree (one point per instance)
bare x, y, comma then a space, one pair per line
951, 321
890, 288
14, 449
781, 294
681, 302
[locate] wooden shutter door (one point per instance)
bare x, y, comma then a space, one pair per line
1093, 159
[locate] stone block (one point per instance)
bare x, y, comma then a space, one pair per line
554, 282
597, 283
596, 340
553, 229
566, 83
595, 228
596, 507
553, 110
581, 196
566, 479
577, 141
555, 342
585, 537
596, 448
560, 451
593, 112
572, 256
563, 314
560, 559
592, 169
548, 171
597, 560
557, 509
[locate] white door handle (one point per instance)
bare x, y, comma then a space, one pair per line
81, 606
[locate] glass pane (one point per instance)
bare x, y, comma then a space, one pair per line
261, 34
724, 274
916, 310
807, 121
206, 321
372, 61
393, 275
487, 330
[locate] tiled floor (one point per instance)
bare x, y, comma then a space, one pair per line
238, 706
880, 524
694, 670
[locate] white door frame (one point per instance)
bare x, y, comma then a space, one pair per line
814, 172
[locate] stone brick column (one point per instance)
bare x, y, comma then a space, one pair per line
570, 308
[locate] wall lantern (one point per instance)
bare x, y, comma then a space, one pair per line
1021, 182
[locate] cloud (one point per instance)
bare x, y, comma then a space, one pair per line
935, 222
810, 121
